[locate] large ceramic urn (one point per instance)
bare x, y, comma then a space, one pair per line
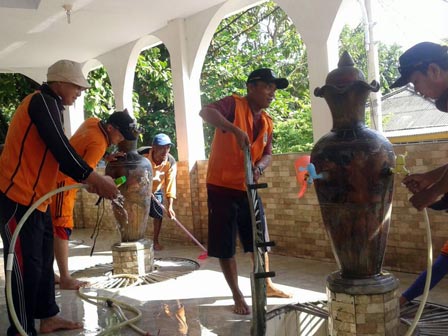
132, 211
355, 193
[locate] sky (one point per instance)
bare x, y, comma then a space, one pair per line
407, 22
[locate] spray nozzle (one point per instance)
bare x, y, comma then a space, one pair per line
120, 181
400, 164
312, 175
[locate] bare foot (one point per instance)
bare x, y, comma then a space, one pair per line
240, 307
71, 283
272, 291
55, 323
57, 279
158, 247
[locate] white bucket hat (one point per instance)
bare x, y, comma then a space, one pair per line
67, 71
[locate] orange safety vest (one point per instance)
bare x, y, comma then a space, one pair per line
226, 162
90, 141
28, 168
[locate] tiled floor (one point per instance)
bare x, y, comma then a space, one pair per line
203, 293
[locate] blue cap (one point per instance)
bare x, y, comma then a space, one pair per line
162, 139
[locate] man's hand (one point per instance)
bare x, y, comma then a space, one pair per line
113, 156
171, 214
256, 172
241, 138
424, 198
416, 182
102, 185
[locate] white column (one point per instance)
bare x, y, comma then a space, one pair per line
74, 116
186, 90
120, 66
319, 22
373, 66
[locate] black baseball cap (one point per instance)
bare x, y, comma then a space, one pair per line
268, 76
122, 121
419, 57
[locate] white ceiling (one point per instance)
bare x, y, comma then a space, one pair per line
35, 33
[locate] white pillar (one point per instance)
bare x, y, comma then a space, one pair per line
186, 90
74, 116
120, 65
373, 66
319, 22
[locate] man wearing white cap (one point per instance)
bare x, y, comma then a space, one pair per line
35, 150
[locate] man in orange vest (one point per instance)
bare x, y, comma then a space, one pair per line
239, 122
90, 141
35, 150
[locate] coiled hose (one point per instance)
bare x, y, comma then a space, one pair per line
10, 262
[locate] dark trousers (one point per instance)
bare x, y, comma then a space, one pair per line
32, 277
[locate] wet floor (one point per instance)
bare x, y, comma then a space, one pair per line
197, 302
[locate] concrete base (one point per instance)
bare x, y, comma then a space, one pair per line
133, 257
354, 314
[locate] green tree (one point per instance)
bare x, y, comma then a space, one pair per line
153, 103
13, 88
153, 95
99, 100
353, 41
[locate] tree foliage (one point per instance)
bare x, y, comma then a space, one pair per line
13, 88
353, 41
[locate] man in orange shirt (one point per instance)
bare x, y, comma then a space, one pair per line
163, 182
239, 122
90, 141
35, 150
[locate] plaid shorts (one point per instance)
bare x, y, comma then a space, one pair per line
156, 210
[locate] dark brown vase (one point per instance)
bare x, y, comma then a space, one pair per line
132, 218
355, 193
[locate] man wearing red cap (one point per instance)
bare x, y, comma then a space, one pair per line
239, 122
425, 65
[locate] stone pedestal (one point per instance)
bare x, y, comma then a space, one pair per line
133, 257
363, 306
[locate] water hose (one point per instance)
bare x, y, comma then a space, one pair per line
401, 169
428, 277
10, 262
117, 305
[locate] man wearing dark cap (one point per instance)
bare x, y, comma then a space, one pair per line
90, 141
35, 150
239, 122
163, 182
425, 65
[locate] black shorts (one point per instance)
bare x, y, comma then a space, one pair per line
228, 215
155, 210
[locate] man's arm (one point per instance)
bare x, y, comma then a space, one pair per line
45, 115
214, 117
170, 185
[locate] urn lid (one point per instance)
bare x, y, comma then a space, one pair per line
344, 77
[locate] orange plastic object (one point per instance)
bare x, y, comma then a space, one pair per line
300, 166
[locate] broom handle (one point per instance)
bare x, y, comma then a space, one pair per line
179, 224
